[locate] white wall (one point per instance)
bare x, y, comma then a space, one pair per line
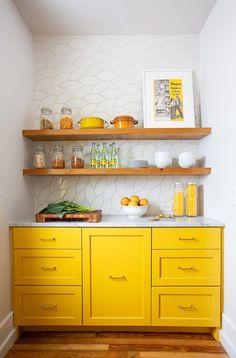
16, 91
218, 75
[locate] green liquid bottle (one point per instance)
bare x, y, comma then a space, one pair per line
93, 161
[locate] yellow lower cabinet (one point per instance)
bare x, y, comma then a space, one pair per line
47, 267
46, 306
116, 276
186, 306
186, 267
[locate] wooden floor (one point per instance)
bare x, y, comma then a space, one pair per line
115, 345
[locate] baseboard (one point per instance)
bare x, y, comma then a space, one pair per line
228, 336
8, 334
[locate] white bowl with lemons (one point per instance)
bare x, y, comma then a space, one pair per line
134, 207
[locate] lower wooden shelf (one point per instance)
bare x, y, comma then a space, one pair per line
117, 171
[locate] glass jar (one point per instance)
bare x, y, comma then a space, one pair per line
178, 199
58, 161
77, 158
46, 118
39, 157
66, 120
191, 199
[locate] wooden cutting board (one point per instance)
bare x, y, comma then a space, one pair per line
92, 217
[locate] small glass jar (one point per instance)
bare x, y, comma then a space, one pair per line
191, 199
77, 158
58, 161
39, 157
66, 120
178, 199
46, 118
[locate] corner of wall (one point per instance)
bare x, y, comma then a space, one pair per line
8, 334
228, 336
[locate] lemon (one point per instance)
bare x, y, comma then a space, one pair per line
135, 198
124, 200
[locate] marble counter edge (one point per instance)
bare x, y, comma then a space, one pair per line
123, 221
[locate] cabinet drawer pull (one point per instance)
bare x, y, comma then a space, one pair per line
188, 239
118, 277
47, 238
187, 308
190, 268
48, 268
49, 307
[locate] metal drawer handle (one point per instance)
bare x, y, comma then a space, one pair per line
118, 277
47, 238
187, 239
49, 307
191, 268
48, 268
187, 308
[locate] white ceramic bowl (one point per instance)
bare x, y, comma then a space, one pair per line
163, 159
187, 159
134, 212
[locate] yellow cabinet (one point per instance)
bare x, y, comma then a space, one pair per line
43, 305
186, 306
116, 276
186, 267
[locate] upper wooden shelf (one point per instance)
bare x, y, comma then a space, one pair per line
117, 171
114, 133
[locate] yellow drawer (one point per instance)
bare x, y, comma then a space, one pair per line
186, 238
47, 238
185, 306
47, 306
186, 267
47, 267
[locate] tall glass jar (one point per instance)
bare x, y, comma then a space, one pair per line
46, 121
66, 120
191, 199
178, 199
58, 161
39, 157
77, 158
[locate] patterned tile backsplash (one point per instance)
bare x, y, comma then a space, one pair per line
102, 76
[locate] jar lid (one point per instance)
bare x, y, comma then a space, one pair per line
46, 110
66, 110
58, 148
77, 147
39, 148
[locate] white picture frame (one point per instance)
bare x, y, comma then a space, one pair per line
168, 98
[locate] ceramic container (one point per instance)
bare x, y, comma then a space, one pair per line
187, 159
163, 159
92, 122
134, 212
124, 122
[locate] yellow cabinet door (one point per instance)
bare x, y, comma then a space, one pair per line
47, 267
46, 306
186, 267
186, 306
186, 238
116, 276
46, 238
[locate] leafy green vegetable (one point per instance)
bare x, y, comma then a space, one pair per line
66, 207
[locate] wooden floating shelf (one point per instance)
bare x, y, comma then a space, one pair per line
117, 171
114, 133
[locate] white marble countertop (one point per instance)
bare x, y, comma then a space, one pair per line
123, 221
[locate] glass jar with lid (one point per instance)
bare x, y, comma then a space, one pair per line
39, 157
66, 120
46, 121
77, 158
58, 161
191, 199
178, 199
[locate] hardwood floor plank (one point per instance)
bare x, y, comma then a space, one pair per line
166, 347
61, 347
180, 355
70, 354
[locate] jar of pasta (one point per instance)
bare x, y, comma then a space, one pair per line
191, 199
77, 158
66, 120
46, 121
178, 199
58, 161
39, 157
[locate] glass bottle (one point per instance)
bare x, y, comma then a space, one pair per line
98, 154
66, 120
77, 158
191, 199
104, 156
93, 160
58, 161
110, 149
114, 156
39, 157
46, 118
178, 199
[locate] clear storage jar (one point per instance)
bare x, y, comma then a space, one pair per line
58, 161
178, 199
191, 199
46, 121
66, 119
39, 157
77, 158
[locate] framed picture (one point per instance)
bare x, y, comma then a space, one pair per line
168, 99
